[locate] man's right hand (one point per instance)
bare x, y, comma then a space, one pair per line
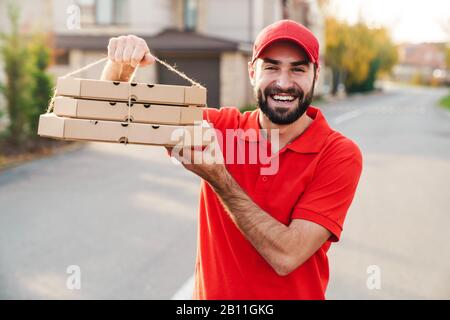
129, 50
125, 53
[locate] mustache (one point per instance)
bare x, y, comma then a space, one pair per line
292, 91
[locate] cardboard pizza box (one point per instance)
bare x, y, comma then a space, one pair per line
50, 125
118, 111
139, 92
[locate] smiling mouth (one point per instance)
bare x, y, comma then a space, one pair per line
283, 98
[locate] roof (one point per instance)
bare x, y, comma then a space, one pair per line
167, 40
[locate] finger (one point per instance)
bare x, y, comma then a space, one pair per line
197, 154
137, 55
128, 50
112, 48
187, 155
148, 60
193, 155
169, 151
118, 55
181, 154
147, 57
175, 152
212, 154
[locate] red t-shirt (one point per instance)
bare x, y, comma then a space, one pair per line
316, 180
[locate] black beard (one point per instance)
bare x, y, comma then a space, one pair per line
283, 116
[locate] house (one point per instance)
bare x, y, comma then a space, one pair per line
422, 63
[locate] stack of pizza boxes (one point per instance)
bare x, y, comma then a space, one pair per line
126, 112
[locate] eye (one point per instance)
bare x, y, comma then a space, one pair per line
298, 70
270, 68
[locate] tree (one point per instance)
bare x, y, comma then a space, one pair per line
382, 58
360, 52
356, 54
28, 86
41, 81
336, 34
14, 53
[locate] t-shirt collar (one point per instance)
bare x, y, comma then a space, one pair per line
310, 141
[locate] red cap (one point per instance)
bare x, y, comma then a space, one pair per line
287, 30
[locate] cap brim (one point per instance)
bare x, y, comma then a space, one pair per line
296, 41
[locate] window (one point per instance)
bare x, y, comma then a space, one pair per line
111, 12
87, 12
190, 9
103, 12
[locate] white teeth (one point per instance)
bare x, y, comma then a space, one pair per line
283, 98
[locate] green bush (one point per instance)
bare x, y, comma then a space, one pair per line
14, 53
28, 86
41, 81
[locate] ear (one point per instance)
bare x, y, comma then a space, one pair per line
251, 72
317, 72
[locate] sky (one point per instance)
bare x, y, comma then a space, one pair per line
409, 21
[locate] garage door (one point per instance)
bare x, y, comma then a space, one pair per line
205, 70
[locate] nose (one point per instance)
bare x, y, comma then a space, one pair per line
284, 80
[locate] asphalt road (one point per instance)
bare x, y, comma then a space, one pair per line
400, 219
126, 215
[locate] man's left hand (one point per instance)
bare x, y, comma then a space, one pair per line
205, 161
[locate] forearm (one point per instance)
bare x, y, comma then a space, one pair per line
117, 72
267, 235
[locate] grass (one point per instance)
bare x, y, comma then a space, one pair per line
249, 107
445, 102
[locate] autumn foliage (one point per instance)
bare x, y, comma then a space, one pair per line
357, 54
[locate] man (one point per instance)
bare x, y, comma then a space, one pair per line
266, 236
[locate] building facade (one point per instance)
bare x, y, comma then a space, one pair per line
422, 63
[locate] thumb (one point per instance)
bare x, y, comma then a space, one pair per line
147, 60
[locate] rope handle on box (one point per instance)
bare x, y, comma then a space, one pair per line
168, 66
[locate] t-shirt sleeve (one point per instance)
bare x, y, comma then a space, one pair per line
330, 193
223, 118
